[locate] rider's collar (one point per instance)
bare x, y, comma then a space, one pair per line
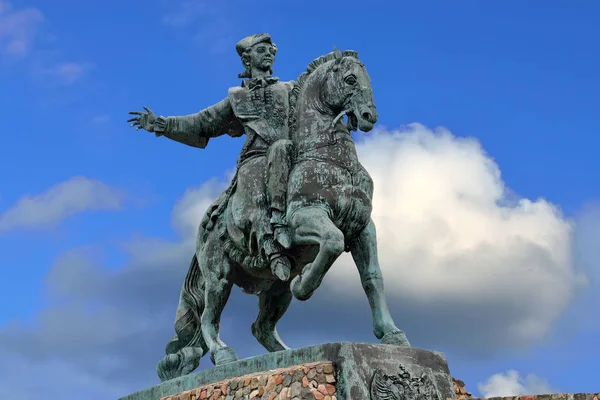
259, 82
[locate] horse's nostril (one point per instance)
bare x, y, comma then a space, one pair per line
367, 116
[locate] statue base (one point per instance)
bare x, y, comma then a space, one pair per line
333, 371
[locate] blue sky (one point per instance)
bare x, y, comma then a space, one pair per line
95, 216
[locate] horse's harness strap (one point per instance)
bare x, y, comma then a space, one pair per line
333, 140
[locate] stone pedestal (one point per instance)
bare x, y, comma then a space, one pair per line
340, 371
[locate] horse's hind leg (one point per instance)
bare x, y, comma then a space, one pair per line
364, 253
311, 225
216, 271
272, 303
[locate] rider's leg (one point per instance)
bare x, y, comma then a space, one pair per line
249, 214
311, 225
364, 253
280, 158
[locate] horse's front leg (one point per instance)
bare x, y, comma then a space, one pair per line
215, 270
364, 253
311, 225
272, 303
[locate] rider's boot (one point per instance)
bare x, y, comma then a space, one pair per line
279, 262
280, 229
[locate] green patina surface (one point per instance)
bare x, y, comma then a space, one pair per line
299, 198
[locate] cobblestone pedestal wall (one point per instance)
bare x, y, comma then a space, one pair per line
460, 390
302, 382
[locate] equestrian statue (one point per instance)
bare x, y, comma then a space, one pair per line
298, 200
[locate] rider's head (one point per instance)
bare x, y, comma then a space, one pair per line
257, 53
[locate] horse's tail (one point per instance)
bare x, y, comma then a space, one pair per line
184, 350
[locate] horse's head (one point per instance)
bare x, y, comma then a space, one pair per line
347, 89
336, 84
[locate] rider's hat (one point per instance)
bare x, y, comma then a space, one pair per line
247, 42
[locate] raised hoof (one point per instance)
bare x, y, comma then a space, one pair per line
224, 355
298, 291
397, 338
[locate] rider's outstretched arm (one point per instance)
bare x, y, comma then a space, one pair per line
196, 129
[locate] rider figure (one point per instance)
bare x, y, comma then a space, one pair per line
260, 109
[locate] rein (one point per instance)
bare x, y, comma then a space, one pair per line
340, 115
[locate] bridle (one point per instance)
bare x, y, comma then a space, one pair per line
355, 92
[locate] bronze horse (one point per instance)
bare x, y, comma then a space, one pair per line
329, 205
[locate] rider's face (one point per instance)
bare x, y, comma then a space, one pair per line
262, 56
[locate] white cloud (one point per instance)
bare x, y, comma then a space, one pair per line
61, 73
206, 19
127, 313
511, 384
587, 256
464, 268
18, 29
61, 201
69, 72
456, 247
451, 237
190, 209
186, 12
16, 382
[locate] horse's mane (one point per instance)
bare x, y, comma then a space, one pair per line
300, 82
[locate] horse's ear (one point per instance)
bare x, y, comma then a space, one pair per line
337, 54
